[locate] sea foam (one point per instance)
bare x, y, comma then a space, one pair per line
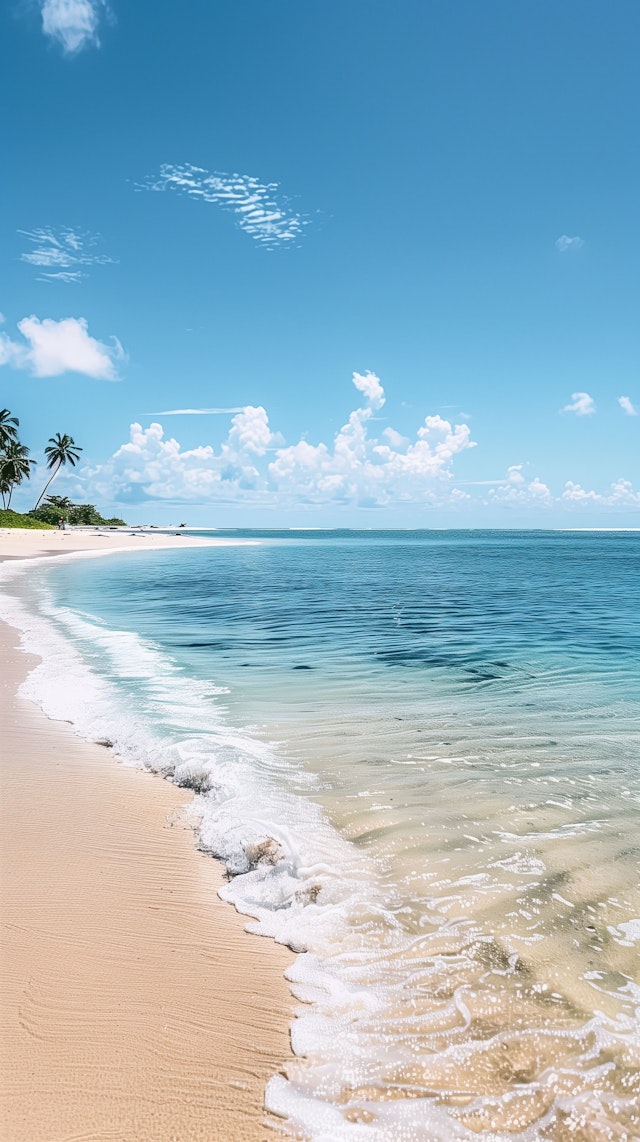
392, 1035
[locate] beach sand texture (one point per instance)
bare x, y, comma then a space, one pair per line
134, 1005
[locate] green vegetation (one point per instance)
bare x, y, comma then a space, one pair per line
56, 508
14, 519
15, 467
60, 450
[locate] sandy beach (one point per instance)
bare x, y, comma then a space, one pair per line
134, 1004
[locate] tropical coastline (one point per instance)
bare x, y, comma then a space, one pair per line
320, 323
414, 752
134, 1004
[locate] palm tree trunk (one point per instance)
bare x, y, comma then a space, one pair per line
42, 493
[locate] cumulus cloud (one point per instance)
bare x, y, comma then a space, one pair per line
53, 347
72, 23
621, 494
565, 244
62, 255
355, 468
360, 470
254, 463
396, 439
150, 467
250, 431
626, 406
514, 474
370, 385
517, 491
260, 209
581, 403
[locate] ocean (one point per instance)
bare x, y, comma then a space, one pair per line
417, 755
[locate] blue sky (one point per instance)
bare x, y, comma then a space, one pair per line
396, 240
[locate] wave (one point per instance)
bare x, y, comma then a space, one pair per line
394, 1043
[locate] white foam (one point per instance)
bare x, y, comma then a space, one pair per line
292, 873
299, 880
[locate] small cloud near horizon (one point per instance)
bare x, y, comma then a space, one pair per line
581, 403
626, 406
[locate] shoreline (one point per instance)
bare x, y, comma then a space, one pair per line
33, 543
134, 1003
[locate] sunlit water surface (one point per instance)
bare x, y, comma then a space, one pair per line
418, 754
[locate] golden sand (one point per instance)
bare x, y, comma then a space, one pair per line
134, 1005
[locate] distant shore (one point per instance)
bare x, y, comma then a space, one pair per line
134, 1005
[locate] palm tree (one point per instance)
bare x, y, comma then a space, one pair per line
8, 429
60, 450
15, 466
63, 503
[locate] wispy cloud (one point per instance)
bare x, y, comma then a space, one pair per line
581, 403
565, 244
626, 406
60, 255
73, 23
195, 411
261, 210
50, 348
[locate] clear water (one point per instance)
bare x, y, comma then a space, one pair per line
418, 755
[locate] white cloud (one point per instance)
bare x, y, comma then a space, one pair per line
158, 468
54, 347
396, 439
250, 431
620, 495
260, 210
626, 406
353, 468
9, 351
535, 493
72, 23
582, 404
565, 244
514, 474
516, 490
196, 411
370, 385
539, 491
60, 254
356, 468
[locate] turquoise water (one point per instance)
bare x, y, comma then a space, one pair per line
418, 755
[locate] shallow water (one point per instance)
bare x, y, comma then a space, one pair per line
418, 754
